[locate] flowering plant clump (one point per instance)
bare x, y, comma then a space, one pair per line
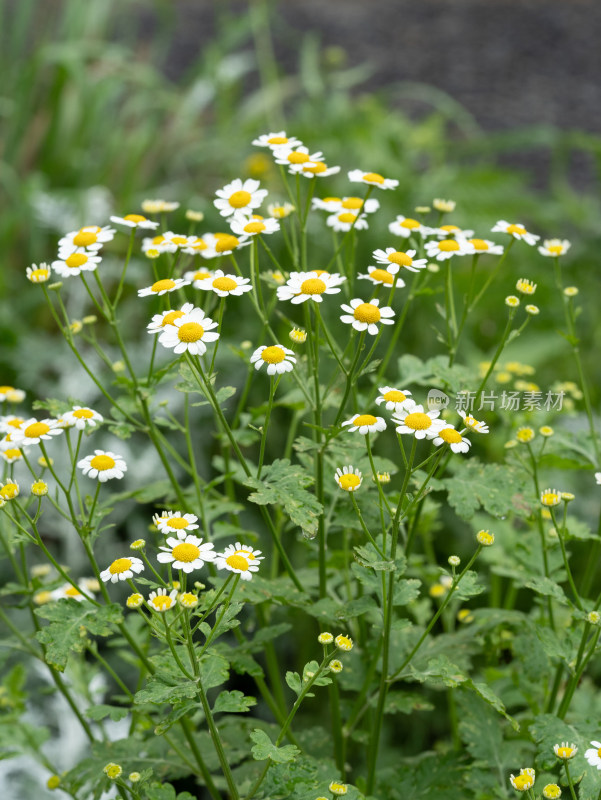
268, 576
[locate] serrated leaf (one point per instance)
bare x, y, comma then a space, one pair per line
468, 586
490, 486
282, 483
213, 670
264, 748
233, 702
69, 623
405, 591
162, 689
545, 586
293, 679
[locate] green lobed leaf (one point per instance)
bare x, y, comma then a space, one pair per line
233, 702
282, 483
102, 711
264, 748
490, 486
69, 623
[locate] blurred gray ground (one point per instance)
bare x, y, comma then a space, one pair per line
509, 62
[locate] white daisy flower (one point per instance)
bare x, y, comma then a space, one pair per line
90, 238
593, 755
372, 179
524, 781
451, 231
414, 420
121, 569
9, 423
472, 423
280, 210
134, 221
365, 423
175, 522
553, 248
253, 226
239, 196
75, 263
598, 478
222, 244
331, 204
343, 221
161, 601
241, 559
82, 417
359, 204
69, 592
186, 553
11, 395
224, 285
39, 274
103, 465
334, 278
485, 246
278, 359
163, 286
278, 139
31, 431
160, 321
400, 259
515, 229
195, 276
158, 243
447, 248
448, 435
348, 478
179, 241
190, 332
379, 276
406, 227
318, 169
366, 316
303, 286
395, 399
294, 158
10, 454
158, 206
196, 247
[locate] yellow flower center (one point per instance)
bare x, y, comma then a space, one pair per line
162, 601
76, 260
410, 223
373, 177
381, 275
450, 435
566, 752
224, 284
418, 421
190, 332
516, 229
332, 200
200, 275
199, 244
402, 259
364, 419
13, 452
556, 249
39, 273
298, 158
313, 286
349, 481
366, 312
9, 491
448, 245
394, 396
135, 218
478, 244
185, 552
352, 202
240, 199
36, 429
449, 228
188, 599
163, 286
237, 561
522, 782
120, 565
83, 413
102, 462
226, 242
273, 355
255, 227
550, 498
315, 167
277, 140
16, 422
177, 522
170, 318
84, 239
158, 239
73, 592
347, 216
